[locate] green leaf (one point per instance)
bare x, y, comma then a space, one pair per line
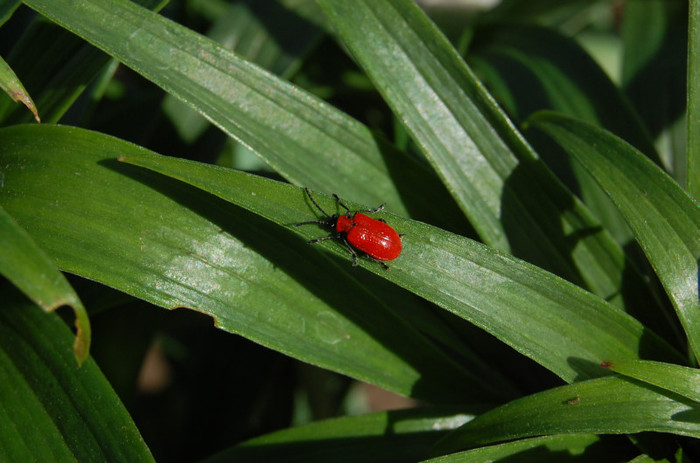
294, 132
555, 323
56, 66
529, 68
693, 168
611, 405
7, 7
387, 436
675, 378
510, 197
664, 219
29, 269
11, 85
265, 33
53, 410
175, 246
559, 448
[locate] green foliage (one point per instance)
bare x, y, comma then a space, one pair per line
544, 308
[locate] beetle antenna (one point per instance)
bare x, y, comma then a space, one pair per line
316, 204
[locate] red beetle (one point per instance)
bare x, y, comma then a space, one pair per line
373, 237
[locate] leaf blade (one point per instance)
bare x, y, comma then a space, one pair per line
29, 269
62, 412
682, 380
518, 303
294, 132
175, 246
610, 405
664, 219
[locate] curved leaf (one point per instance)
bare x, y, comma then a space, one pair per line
675, 378
611, 405
53, 410
664, 219
396, 436
510, 197
560, 326
173, 245
529, 68
29, 269
11, 85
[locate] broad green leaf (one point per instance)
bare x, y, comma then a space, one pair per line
57, 66
302, 138
557, 324
29, 269
11, 85
664, 219
694, 101
53, 410
512, 200
379, 437
559, 448
175, 246
675, 378
610, 405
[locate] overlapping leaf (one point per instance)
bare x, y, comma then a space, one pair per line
558, 325
29, 269
303, 139
511, 198
53, 410
173, 245
609, 405
664, 219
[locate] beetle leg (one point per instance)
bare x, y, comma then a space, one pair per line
372, 211
374, 259
352, 252
323, 238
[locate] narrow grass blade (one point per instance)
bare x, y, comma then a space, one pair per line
30, 269
664, 219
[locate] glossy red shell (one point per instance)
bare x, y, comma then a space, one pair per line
371, 236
